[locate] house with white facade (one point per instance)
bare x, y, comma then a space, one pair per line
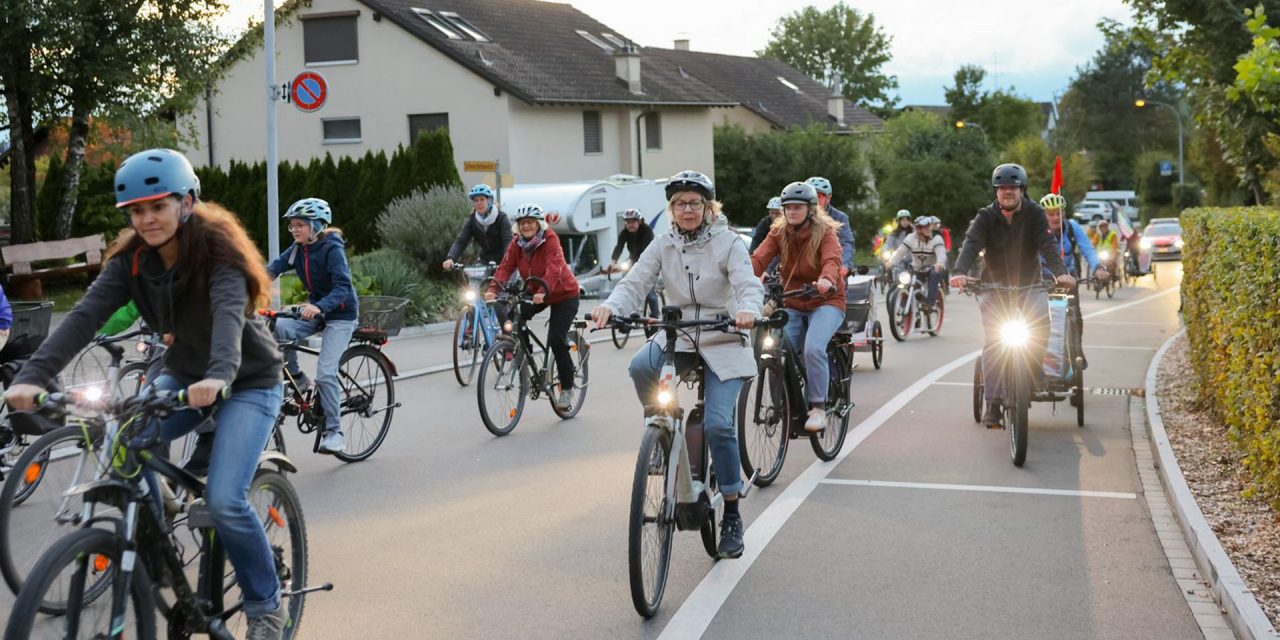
541, 87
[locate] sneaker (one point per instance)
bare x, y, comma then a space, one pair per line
994, 417
564, 401
730, 537
198, 464
332, 442
817, 420
267, 627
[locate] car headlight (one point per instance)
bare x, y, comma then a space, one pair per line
1144, 244
1178, 243
1104, 255
769, 342
469, 295
1015, 333
904, 277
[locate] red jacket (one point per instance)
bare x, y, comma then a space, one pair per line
546, 262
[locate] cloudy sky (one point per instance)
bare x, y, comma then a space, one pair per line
1031, 45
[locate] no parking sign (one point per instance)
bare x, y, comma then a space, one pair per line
308, 91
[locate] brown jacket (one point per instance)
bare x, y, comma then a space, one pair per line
806, 270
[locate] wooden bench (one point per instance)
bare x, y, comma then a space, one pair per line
24, 281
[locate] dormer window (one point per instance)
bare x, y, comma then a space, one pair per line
461, 24
594, 40
439, 23
614, 40
788, 84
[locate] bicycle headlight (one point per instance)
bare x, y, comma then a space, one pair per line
142, 346
1144, 244
1015, 333
507, 326
664, 398
1104, 255
469, 295
769, 342
624, 265
93, 394
904, 278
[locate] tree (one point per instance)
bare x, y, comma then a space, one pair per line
1258, 83
965, 97
1001, 114
839, 42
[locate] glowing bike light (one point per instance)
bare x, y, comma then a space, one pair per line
625, 265
1015, 333
1104, 255
664, 397
769, 342
904, 278
507, 326
93, 394
469, 295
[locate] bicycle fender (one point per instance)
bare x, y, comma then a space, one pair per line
278, 459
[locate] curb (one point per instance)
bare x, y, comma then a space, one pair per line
1229, 589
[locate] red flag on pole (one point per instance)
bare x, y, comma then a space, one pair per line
1057, 176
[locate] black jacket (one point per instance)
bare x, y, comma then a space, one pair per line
1013, 249
492, 241
634, 243
214, 335
762, 230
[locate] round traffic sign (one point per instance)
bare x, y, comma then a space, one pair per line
309, 91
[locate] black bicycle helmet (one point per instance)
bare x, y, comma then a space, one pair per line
800, 192
1009, 175
691, 181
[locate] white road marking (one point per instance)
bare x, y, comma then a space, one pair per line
1142, 324
987, 488
697, 611
1115, 346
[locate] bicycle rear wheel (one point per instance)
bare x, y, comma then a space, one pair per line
69, 571
502, 387
368, 401
977, 390
763, 415
827, 442
468, 343
580, 349
649, 529
935, 318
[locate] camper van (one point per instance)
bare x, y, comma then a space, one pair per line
587, 216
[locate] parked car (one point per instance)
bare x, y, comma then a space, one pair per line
1085, 210
1163, 240
1125, 202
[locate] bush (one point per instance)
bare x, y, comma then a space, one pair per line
1231, 266
391, 273
423, 225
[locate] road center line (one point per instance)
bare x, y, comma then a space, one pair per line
985, 488
697, 611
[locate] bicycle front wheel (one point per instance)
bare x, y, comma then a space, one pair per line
502, 387
368, 401
650, 528
827, 442
1018, 404
901, 318
70, 571
468, 341
764, 414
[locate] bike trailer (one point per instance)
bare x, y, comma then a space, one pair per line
1056, 365
858, 302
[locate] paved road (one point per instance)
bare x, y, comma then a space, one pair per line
448, 532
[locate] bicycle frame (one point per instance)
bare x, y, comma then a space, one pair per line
483, 316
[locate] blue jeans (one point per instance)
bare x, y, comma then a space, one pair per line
1034, 308
243, 426
809, 332
336, 336
717, 422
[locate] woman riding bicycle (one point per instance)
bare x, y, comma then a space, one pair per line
807, 240
707, 273
487, 225
537, 253
197, 279
317, 256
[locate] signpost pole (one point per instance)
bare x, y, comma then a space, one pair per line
497, 175
273, 183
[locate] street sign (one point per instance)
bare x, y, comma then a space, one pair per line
479, 166
308, 91
1166, 168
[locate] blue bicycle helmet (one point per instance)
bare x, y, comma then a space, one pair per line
154, 174
310, 209
481, 190
774, 203
820, 183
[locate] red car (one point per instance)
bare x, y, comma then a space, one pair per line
1163, 240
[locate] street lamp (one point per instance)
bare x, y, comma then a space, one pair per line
1140, 103
961, 124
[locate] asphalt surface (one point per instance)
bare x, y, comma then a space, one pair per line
448, 532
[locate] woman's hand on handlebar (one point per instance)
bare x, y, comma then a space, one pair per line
309, 311
745, 320
22, 397
959, 281
205, 392
600, 315
823, 285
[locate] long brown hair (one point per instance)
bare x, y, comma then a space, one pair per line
212, 236
821, 224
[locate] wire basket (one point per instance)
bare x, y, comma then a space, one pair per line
381, 315
30, 326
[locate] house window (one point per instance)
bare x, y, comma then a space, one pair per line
458, 22
594, 40
614, 40
330, 40
426, 123
653, 131
341, 130
592, 132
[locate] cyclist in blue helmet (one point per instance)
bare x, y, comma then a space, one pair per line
487, 225
197, 279
319, 258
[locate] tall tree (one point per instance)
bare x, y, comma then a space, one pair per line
839, 41
1002, 115
966, 95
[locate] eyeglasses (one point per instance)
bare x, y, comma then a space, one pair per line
299, 225
690, 205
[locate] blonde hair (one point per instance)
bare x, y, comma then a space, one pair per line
709, 213
822, 224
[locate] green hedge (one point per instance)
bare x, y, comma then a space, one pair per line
1231, 271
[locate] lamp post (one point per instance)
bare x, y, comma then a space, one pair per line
961, 124
1140, 103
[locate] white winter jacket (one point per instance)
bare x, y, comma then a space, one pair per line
707, 277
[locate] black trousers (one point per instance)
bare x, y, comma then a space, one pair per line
562, 315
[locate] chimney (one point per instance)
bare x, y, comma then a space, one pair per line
835, 101
627, 67
682, 44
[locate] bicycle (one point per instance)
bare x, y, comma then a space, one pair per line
772, 408
30, 327
675, 484
63, 458
621, 336
510, 374
906, 306
363, 369
476, 328
139, 553
1108, 285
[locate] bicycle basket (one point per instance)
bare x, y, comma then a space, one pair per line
381, 315
30, 327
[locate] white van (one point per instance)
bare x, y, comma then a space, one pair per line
1125, 201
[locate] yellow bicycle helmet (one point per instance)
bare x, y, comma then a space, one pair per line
1053, 201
